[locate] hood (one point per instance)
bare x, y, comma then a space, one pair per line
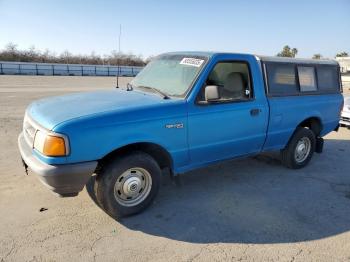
52, 111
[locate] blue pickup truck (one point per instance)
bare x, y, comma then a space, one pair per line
183, 111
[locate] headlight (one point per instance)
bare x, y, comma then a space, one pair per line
50, 144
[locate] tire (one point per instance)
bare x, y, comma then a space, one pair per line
300, 149
127, 185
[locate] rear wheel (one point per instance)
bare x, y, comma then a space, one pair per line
128, 184
300, 149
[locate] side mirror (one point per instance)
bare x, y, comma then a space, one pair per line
211, 93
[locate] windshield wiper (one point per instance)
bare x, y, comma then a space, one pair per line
164, 95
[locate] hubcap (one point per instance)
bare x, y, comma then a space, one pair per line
302, 150
132, 187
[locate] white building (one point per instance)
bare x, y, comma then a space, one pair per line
344, 63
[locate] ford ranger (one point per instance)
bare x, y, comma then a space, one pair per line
181, 112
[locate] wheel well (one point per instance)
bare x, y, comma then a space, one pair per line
312, 123
160, 154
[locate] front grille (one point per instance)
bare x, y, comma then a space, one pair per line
28, 131
346, 119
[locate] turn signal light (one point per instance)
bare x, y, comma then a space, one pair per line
54, 146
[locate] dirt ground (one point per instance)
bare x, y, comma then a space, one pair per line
243, 210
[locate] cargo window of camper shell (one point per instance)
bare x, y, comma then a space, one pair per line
328, 78
281, 79
287, 79
307, 78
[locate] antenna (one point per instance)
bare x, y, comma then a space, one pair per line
118, 62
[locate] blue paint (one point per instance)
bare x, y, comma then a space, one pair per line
98, 123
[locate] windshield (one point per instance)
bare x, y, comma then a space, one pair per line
170, 74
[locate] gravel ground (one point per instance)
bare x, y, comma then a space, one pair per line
243, 210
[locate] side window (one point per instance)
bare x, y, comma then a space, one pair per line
232, 79
281, 79
328, 78
307, 78
285, 79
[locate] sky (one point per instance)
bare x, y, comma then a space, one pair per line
154, 26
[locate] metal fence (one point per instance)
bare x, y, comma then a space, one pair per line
22, 68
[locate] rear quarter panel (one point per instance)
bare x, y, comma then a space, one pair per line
286, 113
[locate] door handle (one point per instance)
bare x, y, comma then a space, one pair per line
255, 112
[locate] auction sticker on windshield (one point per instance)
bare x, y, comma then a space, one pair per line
191, 61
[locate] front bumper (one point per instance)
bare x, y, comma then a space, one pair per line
345, 118
64, 180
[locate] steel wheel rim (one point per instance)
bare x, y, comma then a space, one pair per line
302, 150
133, 186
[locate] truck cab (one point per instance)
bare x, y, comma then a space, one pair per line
183, 111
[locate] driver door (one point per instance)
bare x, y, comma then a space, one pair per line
235, 124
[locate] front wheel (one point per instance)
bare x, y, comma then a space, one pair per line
128, 184
300, 149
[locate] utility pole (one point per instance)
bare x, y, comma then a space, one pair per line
118, 62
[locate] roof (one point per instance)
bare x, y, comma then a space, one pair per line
262, 58
191, 53
204, 53
297, 60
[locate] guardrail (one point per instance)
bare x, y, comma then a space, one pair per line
22, 68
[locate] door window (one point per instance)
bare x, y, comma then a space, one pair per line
233, 82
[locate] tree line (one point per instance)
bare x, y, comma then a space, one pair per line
288, 51
13, 54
